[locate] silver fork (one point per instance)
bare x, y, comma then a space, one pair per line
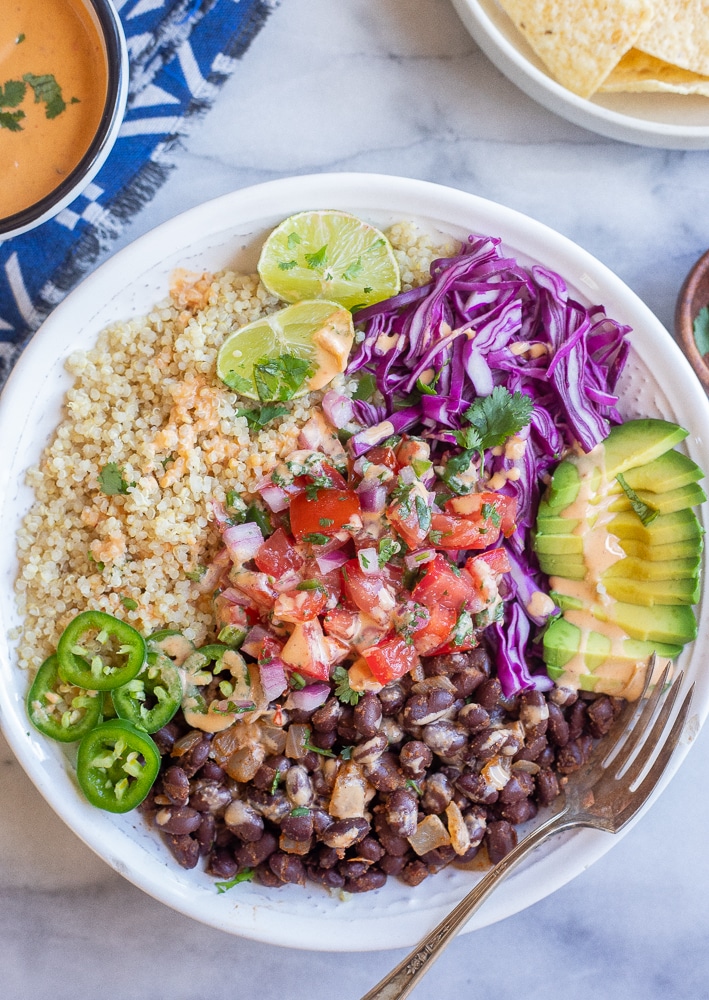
604, 794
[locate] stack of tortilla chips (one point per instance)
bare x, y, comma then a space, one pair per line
597, 46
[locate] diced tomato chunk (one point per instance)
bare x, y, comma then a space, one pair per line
496, 509
299, 605
307, 652
278, 555
390, 659
443, 584
325, 514
496, 559
453, 532
372, 593
410, 516
437, 630
381, 455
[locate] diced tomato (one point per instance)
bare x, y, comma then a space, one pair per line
332, 581
256, 587
270, 649
485, 571
370, 592
451, 532
355, 628
278, 555
390, 659
325, 514
443, 584
228, 613
299, 605
307, 652
437, 630
411, 450
383, 456
496, 559
496, 509
410, 516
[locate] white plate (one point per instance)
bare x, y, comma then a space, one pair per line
668, 121
229, 231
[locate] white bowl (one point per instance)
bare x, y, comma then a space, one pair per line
229, 231
668, 121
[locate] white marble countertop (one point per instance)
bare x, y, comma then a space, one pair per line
398, 87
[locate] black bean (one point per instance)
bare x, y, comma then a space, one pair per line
437, 794
211, 771
353, 868
601, 714
177, 819
474, 717
385, 774
428, 706
206, 832
255, 853
326, 857
532, 748
192, 759
367, 715
518, 812
299, 826
392, 843
176, 785
558, 727
321, 820
547, 784
369, 752
576, 718
474, 787
271, 772
343, 833
221, 864
415, 872
392, 699
184, 849
500, 838
520, 786
323, 740
574, 755
299, 786
165, 738
533, 713
326, 718
415, 758
365, 883
444, 737
394, 864
487, 744
439, 858
243, 821
476, 821
206, 796
370, 849
265, 876
401, 811
328, 877
489, 693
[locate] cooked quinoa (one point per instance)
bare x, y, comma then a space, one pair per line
146, 399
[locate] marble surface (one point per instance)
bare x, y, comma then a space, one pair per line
398, 87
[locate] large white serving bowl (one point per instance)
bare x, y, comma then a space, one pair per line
228, 232
667, 121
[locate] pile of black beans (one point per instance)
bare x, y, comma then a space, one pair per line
451, 737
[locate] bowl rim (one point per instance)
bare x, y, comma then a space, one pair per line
111, 31
216, 225
543, 88
686, 312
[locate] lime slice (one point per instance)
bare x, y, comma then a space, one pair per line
331, 255
290, 352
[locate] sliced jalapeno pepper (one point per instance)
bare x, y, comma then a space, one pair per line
116, 766
59, 709
99, 652
151, 699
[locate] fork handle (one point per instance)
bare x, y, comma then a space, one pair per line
402, 979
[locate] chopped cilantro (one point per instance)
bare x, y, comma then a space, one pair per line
111, 480
287, 265
196, 574
243, 876
239, 384
365, 387
645, 511
293, 240
300, 811
257, 418
388, 547
423, 513
280, 378
346, 753
316, 538
129, 604
297, 681
317, 259
275, 782
343, 691
498, 416
490, 514
312, 585
326, 522
47, 90
352, 270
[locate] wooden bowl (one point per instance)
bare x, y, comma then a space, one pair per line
693, 295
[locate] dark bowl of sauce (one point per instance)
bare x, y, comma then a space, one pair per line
692, 318
63, 89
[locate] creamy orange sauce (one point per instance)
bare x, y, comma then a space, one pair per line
43, 37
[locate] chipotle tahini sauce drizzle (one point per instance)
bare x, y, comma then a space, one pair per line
58, 39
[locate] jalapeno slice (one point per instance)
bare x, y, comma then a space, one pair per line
99, 652
116, 766
151, 699
59, 709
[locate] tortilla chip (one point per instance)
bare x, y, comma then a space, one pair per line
679, 34
638, 71
580, 42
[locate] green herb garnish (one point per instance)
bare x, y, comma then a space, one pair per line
111, 480
280, 378
244, 876
343, 691
645, 511
701, 330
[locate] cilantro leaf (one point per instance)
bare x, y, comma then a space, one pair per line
111, 480
343, 691
11, 120
243, 876
47, 90
365, 387
287, 265
259, 418
645, 511
280, 378
498, 416
238, 383
317, 259
701, 330
353, 269
12, 94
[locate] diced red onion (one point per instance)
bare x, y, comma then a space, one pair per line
372, 496
368, 561
274, 680
253, 642
213, 572
274, 497
412, 560
242, 541
407, 475
329, 561
338, 409
310, 697
235, 596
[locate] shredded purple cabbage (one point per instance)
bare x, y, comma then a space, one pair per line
485, 320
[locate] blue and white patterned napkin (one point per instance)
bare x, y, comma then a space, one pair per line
181, 52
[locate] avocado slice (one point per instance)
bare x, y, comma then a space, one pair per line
564, 487
679, 526
553, 524
569, 545
633, 568
669, 471
664, 503
571, 567
637, 442
689, 548
660, 623
651, 593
